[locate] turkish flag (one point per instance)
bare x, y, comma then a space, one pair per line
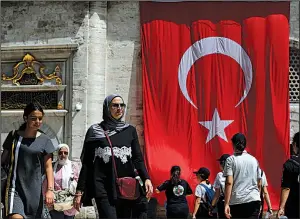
210, 70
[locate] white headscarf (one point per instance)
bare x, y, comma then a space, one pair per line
67, 171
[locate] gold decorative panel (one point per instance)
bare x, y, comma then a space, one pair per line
31, 72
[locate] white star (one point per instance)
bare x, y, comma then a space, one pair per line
216, 127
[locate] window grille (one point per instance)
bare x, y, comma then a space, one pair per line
294, 75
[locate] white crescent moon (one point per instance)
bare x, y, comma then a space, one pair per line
212, 45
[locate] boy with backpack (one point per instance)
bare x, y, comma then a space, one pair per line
204, 195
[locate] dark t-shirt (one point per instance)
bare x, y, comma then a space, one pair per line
176, 194
127, 156
290, 179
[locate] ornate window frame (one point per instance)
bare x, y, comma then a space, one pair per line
60, 53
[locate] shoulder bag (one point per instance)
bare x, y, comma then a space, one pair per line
5, 169
127, 187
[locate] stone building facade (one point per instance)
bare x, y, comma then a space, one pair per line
96, 46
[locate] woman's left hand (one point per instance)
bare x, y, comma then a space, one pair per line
149, 188
49, 198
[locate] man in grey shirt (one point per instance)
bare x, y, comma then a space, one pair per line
243, 182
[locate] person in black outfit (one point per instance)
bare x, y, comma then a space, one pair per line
289, 200
176, 190
219, 186
97, 178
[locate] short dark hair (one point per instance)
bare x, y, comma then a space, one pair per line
239, 141
296, 139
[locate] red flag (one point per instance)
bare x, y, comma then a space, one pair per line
210, 70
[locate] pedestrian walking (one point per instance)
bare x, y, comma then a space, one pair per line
219, 186
28, 152
204, 195
176, 190
289, 199
243, 182
110, 155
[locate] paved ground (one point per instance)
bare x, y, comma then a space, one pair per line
87, 213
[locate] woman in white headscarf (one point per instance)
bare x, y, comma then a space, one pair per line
65, 181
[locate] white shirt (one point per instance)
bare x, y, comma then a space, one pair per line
200, 192
220, 183
245, 171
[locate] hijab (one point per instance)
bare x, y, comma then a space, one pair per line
110, 125
67, 171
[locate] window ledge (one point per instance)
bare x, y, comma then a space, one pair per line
43, 52
48, 113
33, 88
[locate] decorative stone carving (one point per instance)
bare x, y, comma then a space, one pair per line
31, 72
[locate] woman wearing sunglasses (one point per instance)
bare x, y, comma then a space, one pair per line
65, 182
111, 152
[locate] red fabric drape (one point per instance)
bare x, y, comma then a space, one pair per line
176, 132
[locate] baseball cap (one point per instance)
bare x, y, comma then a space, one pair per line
223, 157
203, 172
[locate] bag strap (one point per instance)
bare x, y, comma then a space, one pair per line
204, 186
7, 158
206, 192
261, 189
222, 192
112, 153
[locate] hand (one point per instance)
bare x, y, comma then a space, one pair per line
211, 211
149, 188
227, 211
49, 198
77, 202
280, 212
270, 211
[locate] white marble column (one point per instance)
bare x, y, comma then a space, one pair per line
97, 45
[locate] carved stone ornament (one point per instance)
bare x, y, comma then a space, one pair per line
31, 72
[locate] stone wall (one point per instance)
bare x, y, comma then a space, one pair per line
123, 58
107, 59
53, 23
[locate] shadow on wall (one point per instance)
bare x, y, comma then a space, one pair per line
41, 21
124, 59
135, 95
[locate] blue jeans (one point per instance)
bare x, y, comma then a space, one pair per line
59, 215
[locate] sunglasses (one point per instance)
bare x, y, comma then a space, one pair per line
117, 105
63, 152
